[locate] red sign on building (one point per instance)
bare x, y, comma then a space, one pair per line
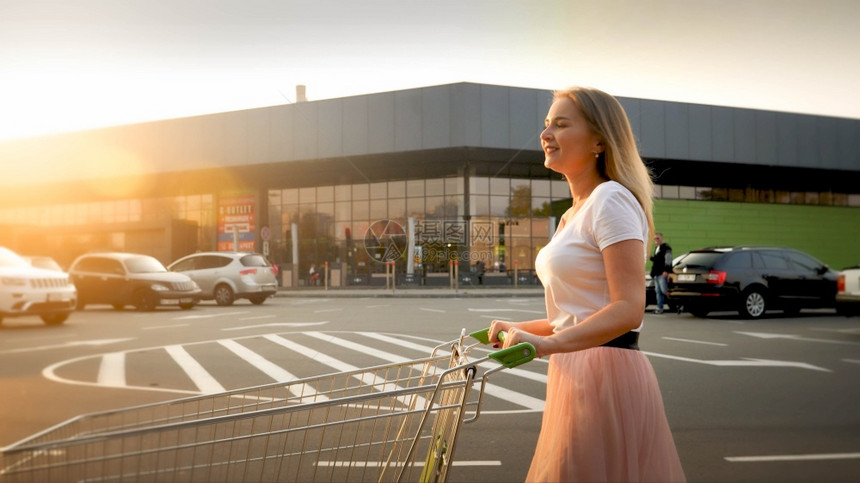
237, 215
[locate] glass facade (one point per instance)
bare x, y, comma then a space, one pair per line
503, 222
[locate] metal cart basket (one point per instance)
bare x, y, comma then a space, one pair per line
394, 422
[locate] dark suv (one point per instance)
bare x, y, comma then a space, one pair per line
751, 280
121, 279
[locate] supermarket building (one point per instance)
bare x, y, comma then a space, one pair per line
422, 178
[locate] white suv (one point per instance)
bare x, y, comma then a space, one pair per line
25, 290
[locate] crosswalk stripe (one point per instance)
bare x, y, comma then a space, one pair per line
112, 370
534, 376
491, 389
271, 369
311, 354
530, 402
369, 379
358, 347
199, 376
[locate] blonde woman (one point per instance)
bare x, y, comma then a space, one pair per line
604, 418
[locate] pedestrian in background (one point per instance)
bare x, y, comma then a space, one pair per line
313, 275
604, 418
661, 264
480, 268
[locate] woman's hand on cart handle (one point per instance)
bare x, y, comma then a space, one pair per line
511, 356
498, 331
485, 336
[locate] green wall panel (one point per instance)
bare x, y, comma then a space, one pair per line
831, 234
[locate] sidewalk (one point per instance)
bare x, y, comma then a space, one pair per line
424, 292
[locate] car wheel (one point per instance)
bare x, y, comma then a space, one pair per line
753, 303
257, 300
145, 301
223, 295
847, 310
699, 312
54, 319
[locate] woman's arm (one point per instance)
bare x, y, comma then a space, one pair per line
625, 274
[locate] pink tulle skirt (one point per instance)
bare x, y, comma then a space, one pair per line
604, 421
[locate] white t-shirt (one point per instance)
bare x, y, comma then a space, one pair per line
570, 266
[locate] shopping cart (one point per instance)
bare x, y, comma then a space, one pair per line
370, 424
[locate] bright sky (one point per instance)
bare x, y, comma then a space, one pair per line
77, 64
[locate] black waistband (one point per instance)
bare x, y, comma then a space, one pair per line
629, 340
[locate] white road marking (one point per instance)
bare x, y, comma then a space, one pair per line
67, 344
199, 376
357, 347
113, 373
158, 327
327, 310
316, 356
524, 400
268, 367
276, 324
853, 330
694, 341
430, 310
851, 361
338, 365
258, 317
112, 370
763, 335
309, 301
211, 315
793, 457
746, 362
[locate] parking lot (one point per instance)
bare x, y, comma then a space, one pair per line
765, 400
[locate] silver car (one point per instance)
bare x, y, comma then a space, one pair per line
227, 276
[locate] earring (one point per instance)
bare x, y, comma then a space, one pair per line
596, 155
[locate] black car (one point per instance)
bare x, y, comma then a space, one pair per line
751, 280
121, 279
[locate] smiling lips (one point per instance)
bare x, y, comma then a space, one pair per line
547, 149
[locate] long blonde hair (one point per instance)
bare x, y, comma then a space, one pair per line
620, 160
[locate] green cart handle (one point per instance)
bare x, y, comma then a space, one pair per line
510, 357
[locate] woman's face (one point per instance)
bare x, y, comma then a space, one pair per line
568, 144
